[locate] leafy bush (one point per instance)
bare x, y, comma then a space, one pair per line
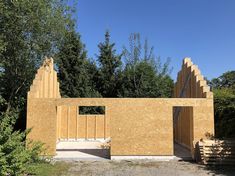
224, 116
224, 101
14, 156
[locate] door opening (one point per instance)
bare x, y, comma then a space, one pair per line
183, 131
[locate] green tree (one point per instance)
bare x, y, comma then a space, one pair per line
75, 71
29, 30
109, 68
143, 74
226, 80
224, 102
14, 156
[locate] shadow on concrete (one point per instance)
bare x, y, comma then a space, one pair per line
81, 150
102, 153
182, 153
225, 170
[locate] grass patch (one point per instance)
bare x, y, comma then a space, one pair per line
48, 169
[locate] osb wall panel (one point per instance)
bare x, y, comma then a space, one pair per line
64, 123
45, 84
72, 122
118, 109
137, 129
191, 83
100, 124
71, 125
58, 117
91, 127
138, 126
203, 120
41, 117
82, 127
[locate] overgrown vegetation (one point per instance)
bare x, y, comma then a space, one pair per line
14, 156
224, 98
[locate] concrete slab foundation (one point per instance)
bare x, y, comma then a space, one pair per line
86, 150
92, 150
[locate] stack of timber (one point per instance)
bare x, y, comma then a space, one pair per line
217, 152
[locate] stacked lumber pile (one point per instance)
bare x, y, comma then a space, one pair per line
217, 151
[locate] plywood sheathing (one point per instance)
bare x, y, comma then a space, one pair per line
138, 126
192, 81
41, 118
45, 84
189, 126
72, 125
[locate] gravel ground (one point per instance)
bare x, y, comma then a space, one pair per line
145, 168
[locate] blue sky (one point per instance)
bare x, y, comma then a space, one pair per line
201, 29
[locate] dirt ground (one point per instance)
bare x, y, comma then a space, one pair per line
144, 168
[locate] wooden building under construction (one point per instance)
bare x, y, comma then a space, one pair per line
136, 127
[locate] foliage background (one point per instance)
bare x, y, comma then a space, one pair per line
224, 101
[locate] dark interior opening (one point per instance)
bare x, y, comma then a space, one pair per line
87, 110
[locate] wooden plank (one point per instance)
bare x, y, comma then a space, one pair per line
218, 163
217, 152
216, 140
216, 156
223, 153
218, 149
219, 143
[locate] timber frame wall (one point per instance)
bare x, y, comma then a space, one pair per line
136, 126
190, 84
